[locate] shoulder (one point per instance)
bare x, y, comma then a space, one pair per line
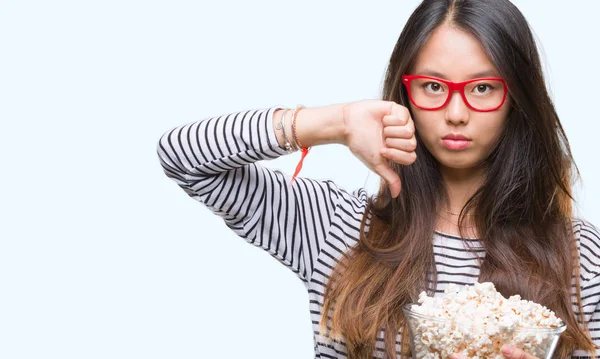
352, 205
587, 232
587, 236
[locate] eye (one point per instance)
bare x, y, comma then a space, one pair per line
433, 87
482, 88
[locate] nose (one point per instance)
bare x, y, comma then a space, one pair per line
457, 111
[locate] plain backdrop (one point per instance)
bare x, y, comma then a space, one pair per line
103, 256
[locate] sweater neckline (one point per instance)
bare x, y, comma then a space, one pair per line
453, 236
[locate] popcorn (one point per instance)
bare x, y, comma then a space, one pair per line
476, 320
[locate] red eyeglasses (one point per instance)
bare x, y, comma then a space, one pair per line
432, 93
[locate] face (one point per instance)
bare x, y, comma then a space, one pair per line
454, 55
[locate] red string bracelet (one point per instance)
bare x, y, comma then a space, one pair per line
295, 135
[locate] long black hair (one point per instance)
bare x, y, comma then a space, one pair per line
523, 210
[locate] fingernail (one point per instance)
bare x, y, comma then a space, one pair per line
383, 151
507, 350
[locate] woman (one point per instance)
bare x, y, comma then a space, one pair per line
476, 186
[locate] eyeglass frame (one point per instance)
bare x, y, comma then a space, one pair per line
452, 86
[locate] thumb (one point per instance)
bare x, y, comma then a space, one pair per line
391, 177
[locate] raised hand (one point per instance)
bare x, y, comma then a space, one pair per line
380, 131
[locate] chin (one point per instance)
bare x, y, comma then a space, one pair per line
457, 161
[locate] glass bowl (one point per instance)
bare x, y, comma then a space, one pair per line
433, 337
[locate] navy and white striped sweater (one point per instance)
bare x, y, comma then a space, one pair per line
309, 225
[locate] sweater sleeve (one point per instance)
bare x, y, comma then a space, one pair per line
215, 161
590, 295
589, 247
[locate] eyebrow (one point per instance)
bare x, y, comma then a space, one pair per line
486, 73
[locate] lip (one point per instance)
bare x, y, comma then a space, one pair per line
456, 144
455, 141
455, 136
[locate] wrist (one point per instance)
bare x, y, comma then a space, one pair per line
321, 125
282, 124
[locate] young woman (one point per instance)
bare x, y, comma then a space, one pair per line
476, 186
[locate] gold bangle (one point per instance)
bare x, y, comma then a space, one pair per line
294, 116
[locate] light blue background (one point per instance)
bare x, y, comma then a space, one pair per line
103, 256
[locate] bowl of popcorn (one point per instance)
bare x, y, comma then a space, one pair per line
476, 320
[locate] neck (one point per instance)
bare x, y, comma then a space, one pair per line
461, 184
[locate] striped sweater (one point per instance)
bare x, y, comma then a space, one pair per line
307, 226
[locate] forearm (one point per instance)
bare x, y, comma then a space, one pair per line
314, 125
210, 146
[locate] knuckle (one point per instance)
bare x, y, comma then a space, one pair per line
386, 120
413, 157
413, 143
405, 117
405, 112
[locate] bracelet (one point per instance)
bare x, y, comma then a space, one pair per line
292, 142
290, 145
281, 126
297, 142
294, 116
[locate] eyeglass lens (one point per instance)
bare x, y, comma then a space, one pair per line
481, 95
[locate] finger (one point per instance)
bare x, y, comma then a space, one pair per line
398, 156
515, 353
406, 131
391, 177
394, 120
400, 111
402, 144
457, 356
